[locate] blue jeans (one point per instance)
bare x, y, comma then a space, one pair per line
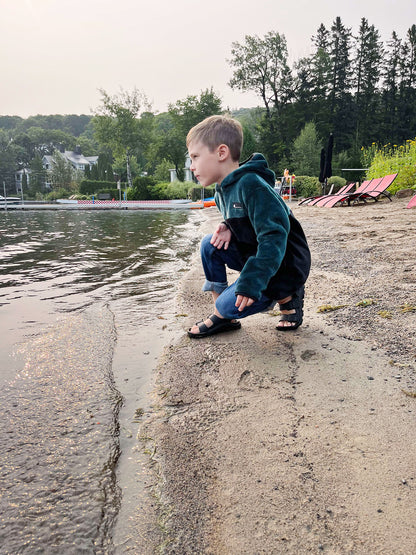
215, 262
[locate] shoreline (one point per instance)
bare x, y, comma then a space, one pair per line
266, 444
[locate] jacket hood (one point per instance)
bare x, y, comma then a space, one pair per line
256, 164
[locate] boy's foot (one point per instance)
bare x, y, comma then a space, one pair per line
213, 325
291, 311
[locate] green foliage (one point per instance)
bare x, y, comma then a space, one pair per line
307, 186
162, 172
142, 189
338, 182
91, 187
58, 193
249, 143
306, 151
61, 173
393, 159
261, 65
117, 125
184, 114
171, 191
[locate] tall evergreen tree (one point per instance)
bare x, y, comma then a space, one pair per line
406, 102
321, 80
391, 80
340, 97
367, 71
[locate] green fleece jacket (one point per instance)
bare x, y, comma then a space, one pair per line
259, 221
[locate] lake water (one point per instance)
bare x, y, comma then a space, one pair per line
85, 307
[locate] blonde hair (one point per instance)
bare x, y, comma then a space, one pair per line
218, 130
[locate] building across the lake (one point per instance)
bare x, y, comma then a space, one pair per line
75, 157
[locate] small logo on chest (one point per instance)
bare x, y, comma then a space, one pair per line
237, 205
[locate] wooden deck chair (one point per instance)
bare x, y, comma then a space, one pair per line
345, 189
331, 201
412, 203
379, 191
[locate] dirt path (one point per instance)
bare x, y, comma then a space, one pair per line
265, 442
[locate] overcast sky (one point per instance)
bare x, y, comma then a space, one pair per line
56, 54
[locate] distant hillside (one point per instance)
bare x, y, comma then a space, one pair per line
73, 124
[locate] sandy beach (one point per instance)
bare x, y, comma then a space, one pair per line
266, 442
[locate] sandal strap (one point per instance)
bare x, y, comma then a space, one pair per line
214, 319
295, 302
291, 318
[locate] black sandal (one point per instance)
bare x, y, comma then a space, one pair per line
218, 325
295, 303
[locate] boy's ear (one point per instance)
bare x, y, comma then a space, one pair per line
223, 152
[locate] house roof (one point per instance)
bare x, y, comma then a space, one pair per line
76, 158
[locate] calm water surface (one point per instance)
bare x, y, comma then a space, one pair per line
73, 285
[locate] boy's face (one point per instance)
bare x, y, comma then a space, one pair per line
206, 165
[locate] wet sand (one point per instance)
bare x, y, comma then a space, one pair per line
266, 442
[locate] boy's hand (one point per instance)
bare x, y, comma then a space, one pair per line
221, 237
242, 302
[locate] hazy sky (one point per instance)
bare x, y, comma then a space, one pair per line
56, 54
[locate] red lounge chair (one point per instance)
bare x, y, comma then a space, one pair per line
309, 200
375, 192
412, 203
334, 199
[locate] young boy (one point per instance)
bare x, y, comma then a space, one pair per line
259, 236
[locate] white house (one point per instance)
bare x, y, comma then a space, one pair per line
74, 157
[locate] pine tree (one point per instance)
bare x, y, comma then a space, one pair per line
391, 79
406, 102
367, 71
340, 97
321, 80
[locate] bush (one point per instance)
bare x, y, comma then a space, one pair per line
171, 191
307, 186
393, 159
142, 188
59, 193
337, 181
91, 186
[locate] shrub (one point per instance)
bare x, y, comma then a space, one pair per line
91, 186
174, 190
337, 181
307, 186
58, 193
393, 159
142, 188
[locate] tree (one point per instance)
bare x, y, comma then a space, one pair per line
407, 88
367, 71
37, 176
61, 172
261, 66
340, 97
117, 125
9, 154
321, 71
193, 109
391, 78
170, 131
306, 151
